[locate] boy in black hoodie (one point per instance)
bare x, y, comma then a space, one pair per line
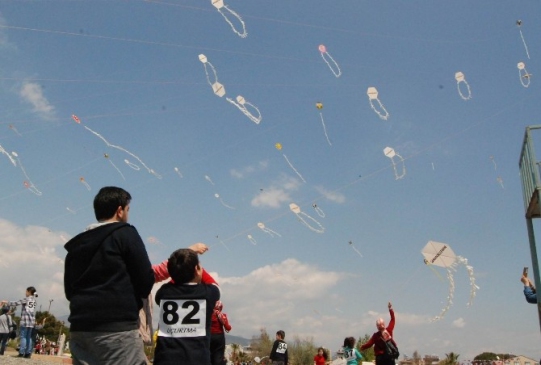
186, 307
107, 273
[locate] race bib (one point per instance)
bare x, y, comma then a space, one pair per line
349, 355
282, 348
182, 318
31, 306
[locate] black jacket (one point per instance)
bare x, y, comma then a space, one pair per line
107, 273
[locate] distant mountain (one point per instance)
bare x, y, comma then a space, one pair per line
236, 339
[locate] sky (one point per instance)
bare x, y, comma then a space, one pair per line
208, 168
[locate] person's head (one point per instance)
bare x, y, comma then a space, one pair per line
321, 352
219, 306
183, 266
349, 342
31, 291
112, 202
380, 324
5, 309
280, 335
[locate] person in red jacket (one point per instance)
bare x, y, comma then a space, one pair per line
378, 339
217, 337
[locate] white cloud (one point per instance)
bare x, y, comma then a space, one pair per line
277, 193
32, 93
247, 170
459, 323
333, 196
32, 256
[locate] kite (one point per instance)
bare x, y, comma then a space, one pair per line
27, 183
217, 196
325, 55
279, 148
83, 181
106, 155
261, 226
4, 152
219, 4
523, 75
217, 88
251, 239
319, 107
318, 210
391, 153
178, 172
372, 93
460, 78
519, 24
301, 215
208, 179
151, 171
153, 240
500, 181
241, 104
12, 127
493, 162
354, 248
441, 254
71, 210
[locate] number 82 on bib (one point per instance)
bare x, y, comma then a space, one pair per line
182, 318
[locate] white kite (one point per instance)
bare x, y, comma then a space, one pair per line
301, 215
392, 154
217, 88
372, 93
441, 254
242, 104
523, 75
461, 79
219, 5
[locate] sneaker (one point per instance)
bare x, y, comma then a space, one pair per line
27, 356
20, 355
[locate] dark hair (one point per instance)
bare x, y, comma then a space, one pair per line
349, 342
325, 356
282, 334
32, 290
107, 201
182, 264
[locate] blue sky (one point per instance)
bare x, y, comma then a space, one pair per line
130, 71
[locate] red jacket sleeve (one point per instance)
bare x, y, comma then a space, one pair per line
369, 344
390, 327
160, 271
222, 317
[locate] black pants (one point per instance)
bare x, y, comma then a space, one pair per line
384, 360
217, 349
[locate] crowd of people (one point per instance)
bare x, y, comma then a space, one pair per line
108, 278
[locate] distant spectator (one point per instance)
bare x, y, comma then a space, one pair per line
529, 290
28, 320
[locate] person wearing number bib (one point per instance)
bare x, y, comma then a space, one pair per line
107, 273
186, 306
28, 320
278, 354
351, 354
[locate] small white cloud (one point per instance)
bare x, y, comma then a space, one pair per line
247, 170
331, 195
32, 93
459, 323
277, 193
